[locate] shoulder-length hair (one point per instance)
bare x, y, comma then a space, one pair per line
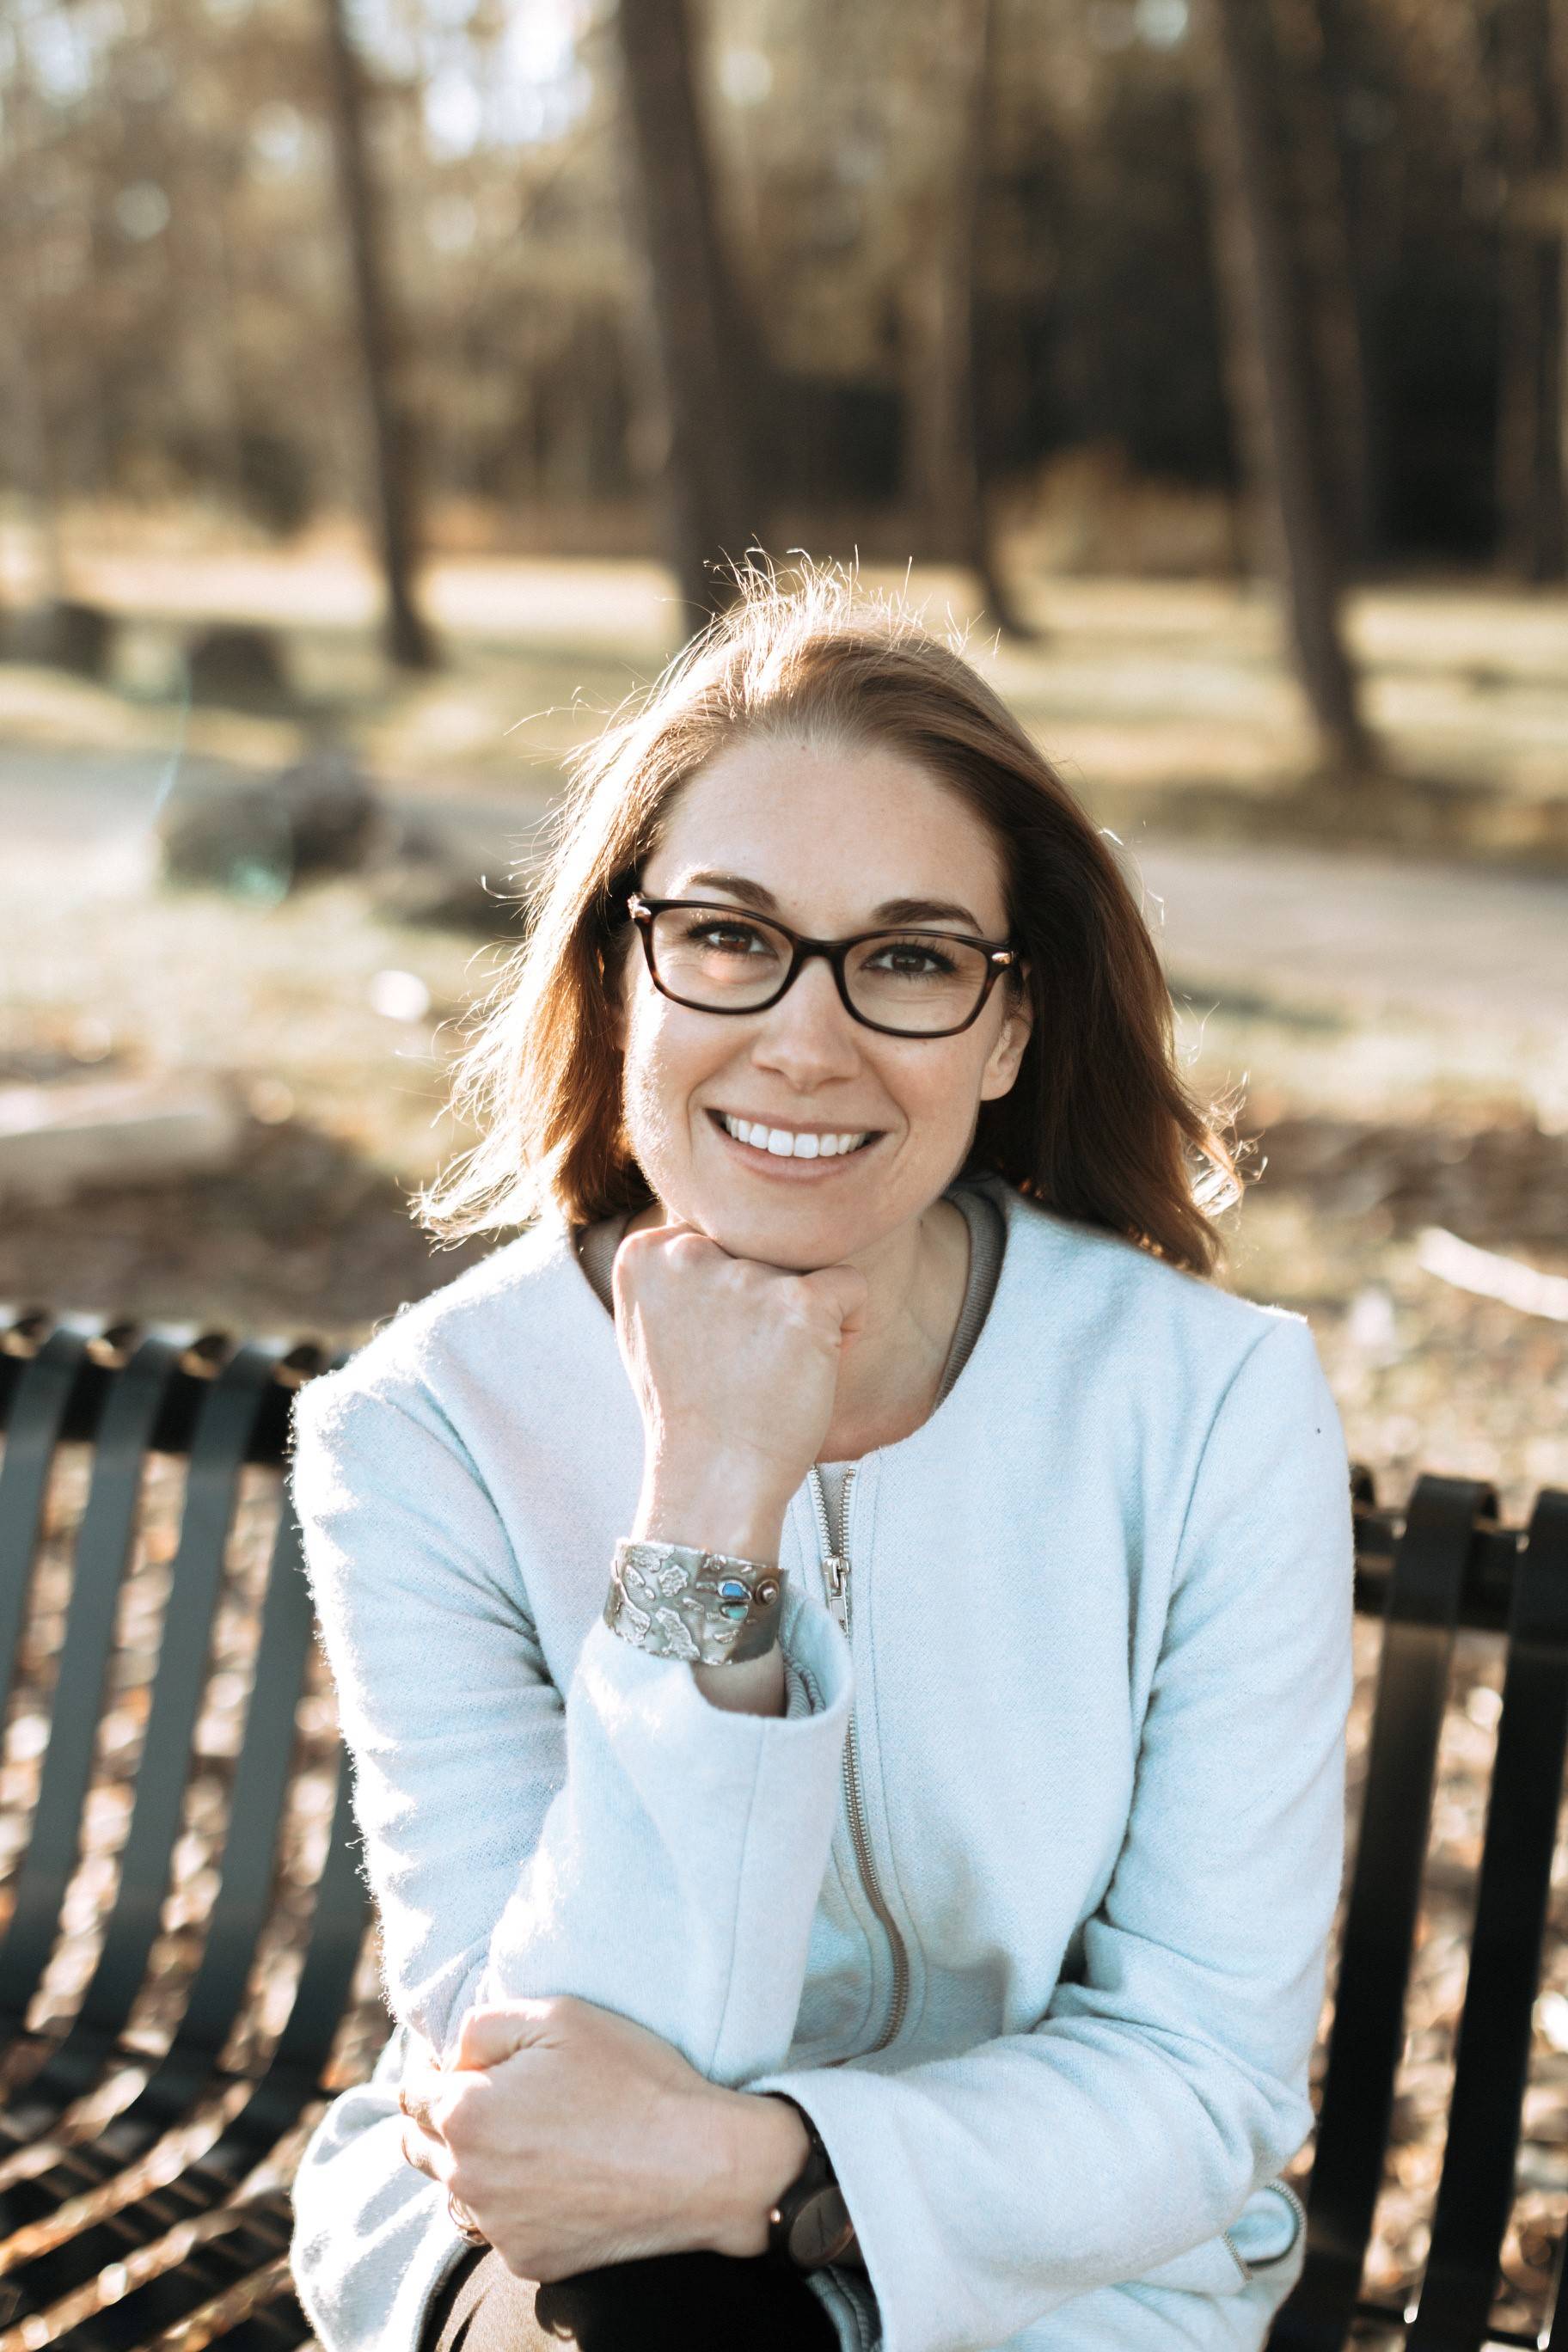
1098, 1125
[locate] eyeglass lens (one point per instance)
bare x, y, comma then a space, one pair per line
732, 962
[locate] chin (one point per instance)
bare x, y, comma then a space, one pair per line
801, 1242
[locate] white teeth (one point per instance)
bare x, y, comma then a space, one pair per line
784, 1143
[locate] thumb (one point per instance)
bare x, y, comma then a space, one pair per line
847, 1291
488, 2037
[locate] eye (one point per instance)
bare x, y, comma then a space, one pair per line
723, 938
912, 959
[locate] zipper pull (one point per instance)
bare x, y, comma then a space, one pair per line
836, 1587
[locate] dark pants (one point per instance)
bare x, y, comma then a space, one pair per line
667, 2303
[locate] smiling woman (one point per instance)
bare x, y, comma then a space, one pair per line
861, 743
843, 1632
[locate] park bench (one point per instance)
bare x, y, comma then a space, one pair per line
144, 2188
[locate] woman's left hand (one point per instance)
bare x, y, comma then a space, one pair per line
576, 2138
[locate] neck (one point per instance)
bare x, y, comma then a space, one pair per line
892, 1367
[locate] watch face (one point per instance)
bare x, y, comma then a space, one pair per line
820, 2228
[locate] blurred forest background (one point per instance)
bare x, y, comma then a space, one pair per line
386, 382
386, 385
383, 385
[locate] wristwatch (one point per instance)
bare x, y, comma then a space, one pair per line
810, 2225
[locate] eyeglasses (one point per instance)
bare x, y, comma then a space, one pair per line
907, 984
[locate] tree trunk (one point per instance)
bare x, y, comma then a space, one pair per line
1531, 497
1325, 241
1271, 371
392, 451
30, 437
707, 359
948, 439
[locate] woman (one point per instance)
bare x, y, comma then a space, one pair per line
895, 1912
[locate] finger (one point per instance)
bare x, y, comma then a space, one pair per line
419, 2091
488, 2037
425, 2152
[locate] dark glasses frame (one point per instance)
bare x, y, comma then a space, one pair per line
1000, 953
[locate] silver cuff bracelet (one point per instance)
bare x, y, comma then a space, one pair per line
677, 1601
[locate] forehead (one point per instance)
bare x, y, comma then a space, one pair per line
830, 829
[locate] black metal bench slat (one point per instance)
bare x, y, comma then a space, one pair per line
188, 2075
277, 2099
130, 1412
289, 2081
257, 1804
342, 1912
1475, 2194
220, 1448
40, 1401
1426, 1587
243, 2246
239, 1912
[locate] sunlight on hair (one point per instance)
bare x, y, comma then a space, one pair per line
1098, 1124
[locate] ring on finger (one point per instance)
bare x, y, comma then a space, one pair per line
463, 2221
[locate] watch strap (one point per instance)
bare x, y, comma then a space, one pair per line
816, 2186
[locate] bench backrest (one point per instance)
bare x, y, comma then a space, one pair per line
1441, 1564
129, 1396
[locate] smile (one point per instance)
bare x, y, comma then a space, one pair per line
792, 1142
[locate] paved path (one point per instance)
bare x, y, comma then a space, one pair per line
1376, 934
1372, 935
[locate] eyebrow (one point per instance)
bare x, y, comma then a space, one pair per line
891, 910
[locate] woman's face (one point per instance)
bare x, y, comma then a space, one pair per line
826, 838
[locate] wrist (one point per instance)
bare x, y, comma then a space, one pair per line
722, 1507
760, 2145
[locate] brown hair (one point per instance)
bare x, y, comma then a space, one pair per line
1098, 1125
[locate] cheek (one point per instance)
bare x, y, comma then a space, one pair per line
663, 1060
940, 1090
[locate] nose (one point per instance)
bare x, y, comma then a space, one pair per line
807, 1037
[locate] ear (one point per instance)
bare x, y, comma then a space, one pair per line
1006, 1055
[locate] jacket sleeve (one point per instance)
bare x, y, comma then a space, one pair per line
1168, 2081
625, 1842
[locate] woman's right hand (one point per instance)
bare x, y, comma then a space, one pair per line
735, 1365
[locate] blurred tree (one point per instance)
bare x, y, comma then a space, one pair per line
947, 440
1311, 39
185, 260
31, 457
1532, 168
392, 452
707, 353
1271, 371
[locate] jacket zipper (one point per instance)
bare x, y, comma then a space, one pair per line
836, 1588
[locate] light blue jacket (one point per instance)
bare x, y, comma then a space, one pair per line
1099, 1669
